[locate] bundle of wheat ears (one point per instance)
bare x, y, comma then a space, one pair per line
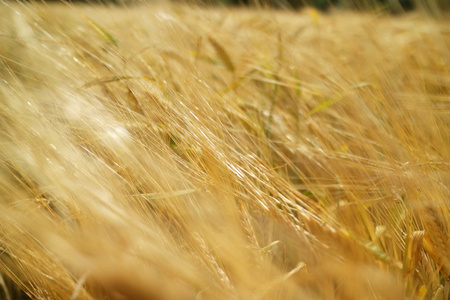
166, 151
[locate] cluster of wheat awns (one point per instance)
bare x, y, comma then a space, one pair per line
169, 152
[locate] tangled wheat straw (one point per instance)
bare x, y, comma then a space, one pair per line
169, 152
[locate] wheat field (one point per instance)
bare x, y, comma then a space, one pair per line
169, 151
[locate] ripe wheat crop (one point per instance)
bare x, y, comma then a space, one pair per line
165, 151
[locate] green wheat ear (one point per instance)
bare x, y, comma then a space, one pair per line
102, 31
337, 98
223, 54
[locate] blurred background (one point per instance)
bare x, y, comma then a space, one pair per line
433, 7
